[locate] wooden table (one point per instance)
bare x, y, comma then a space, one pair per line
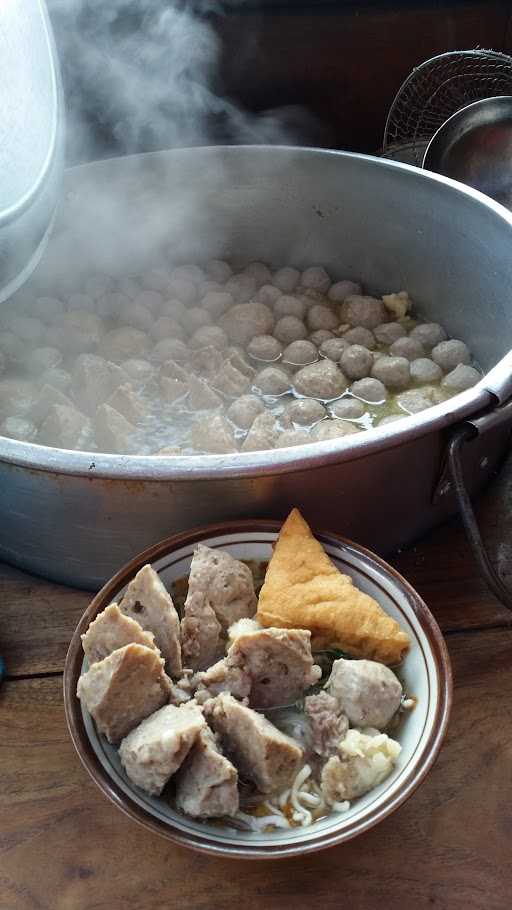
63, 846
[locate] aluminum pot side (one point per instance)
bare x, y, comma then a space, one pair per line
76, 518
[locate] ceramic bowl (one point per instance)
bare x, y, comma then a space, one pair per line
426, 674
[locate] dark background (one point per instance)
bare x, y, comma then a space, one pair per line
340, 62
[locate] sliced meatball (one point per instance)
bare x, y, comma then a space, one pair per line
257, 748
227, 583
327, 723
126, 401
158, 746
223, 676
244, 411
262, 435
279, 663
147, 601
290, 438
113, 432
201, 396
124, 688
366, 691
214, 435
112, 630
207, 782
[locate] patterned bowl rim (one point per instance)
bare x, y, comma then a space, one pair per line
381, 807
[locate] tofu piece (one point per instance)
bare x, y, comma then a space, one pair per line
259, 750
366, 691
126, 402
94, 380
327, 724
278, 662
363, 762
46, 399
114, 433
112, 630
155, 749
124, 688
64, 427
148, 602
223, 676
207, 782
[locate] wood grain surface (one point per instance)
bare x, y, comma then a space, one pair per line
63, 846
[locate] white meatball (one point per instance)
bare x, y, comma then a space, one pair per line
348, 409
367, 692
195, 318
78, 332
98, 285
218, 270
260, 272
428, 334
29, 329
49, 308
342, 289
272, 381
153, 300
389, 332
245, 320
461, 378
81, 302
268, 294
371, 390
59, 379
183, 290
174, 309
320, 336
305, 411
322, 317
289, 438
360, 335
409, 348
217, 302
366, 311
111, 305
333, 429
138, 316
166, 327
394, 372
286, 279
265, 347
316, 278
289, 328
139, 371
156, 280
320, 380
333, 348
424, 370
41, 359
244, 410
121, 344
287, 305
241, 287
129, 287
449, 354
209, 336
356, 361
413, 401
18, 428
300, 353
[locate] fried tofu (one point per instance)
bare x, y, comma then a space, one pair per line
303, 589
123, 689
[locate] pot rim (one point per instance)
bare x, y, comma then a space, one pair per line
495, 384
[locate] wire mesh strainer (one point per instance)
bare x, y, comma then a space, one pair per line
437, 89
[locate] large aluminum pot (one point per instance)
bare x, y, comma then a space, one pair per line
76, 517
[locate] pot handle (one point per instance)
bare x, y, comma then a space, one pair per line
464, 433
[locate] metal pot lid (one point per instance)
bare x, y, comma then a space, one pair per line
31, 138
